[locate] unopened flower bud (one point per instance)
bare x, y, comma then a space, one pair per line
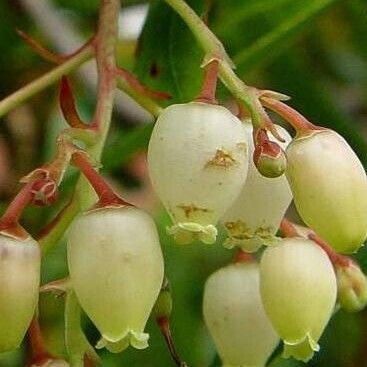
116, 269
329, 186
298, 289
352, 287
198, 164
19, 282
249, 222
163, 305
269, 159
235, 317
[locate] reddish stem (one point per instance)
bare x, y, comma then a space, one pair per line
47, 54
289, 230
243, 113
37, 343
263, 145
39, 49
299, 122
209, 87
259, 136
139, 87
105, 49
243, 257
88, 362
107, 196
17, 205
335, 258
165, 329
68, 106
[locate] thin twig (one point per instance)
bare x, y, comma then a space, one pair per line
54, 75
105, 43
164, 326
289, 229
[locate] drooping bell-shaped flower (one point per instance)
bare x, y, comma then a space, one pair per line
298, 290
198, 163
352, 287
20, 262
329, 186
116, 269
255, 216
235, 316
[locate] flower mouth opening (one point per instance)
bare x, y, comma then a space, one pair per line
240, 235
187, 232
117, 345
302, 349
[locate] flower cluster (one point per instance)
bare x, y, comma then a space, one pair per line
210, 168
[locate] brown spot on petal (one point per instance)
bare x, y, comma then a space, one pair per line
242, 146
238, 230
264, 232
191, 209
222, 158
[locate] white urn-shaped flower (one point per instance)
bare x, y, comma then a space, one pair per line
116, 269
198, 164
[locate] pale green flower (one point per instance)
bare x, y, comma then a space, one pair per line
254, 217
19, 284
235, 316
298, 289
329, 186
116, 269
198, 163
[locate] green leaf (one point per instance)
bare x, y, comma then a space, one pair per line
356, 10
292, 75
169, 58
231, 15
280, 36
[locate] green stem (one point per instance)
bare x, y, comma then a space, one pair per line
73, 335
214, 49
207, 39
56, 229
84, 195
243, 93
106, 39
147, 103
44, 81
76, 343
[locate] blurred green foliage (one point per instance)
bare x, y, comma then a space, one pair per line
314, 50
